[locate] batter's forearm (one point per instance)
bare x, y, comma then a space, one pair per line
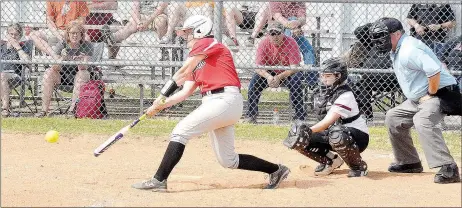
188, 90
187, 69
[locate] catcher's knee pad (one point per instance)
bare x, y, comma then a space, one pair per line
342, 142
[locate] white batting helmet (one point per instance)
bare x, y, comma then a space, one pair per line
202, 26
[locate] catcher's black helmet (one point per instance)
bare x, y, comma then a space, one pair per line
335, 66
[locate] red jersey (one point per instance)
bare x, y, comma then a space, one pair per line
286, 54
217, 70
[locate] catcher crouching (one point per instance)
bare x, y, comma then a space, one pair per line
341, 133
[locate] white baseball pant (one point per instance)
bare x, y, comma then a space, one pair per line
217, 115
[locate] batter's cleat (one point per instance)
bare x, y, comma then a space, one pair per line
406, 168
448, 174
328, 169
152, 184
277, 177
362, 171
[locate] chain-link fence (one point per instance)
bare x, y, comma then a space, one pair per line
110, 58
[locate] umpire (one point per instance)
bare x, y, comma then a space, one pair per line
431, 93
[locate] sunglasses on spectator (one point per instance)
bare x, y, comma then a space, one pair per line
274, 33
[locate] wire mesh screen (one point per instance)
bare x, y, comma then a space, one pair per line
103, 59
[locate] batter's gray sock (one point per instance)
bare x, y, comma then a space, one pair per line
171, 157
250, 162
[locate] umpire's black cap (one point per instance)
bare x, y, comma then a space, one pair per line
392, 24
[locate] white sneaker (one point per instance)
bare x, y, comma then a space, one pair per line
328, 169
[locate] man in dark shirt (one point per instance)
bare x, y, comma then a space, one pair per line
431, 22
451, 55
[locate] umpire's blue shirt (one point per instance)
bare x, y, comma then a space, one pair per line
413, 63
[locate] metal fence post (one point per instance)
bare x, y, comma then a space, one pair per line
218, 20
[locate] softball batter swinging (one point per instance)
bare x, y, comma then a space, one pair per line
209, 66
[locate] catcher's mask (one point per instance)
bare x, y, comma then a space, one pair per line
380, 34
333, 73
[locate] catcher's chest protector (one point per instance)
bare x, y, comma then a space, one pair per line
323, 102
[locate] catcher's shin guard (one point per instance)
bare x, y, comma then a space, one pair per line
342, 142
316, 156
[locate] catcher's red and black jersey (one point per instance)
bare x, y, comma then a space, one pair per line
217, 69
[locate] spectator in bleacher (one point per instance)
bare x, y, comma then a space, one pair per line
293, 16
73, 48
430, 23
276, 49
282, 11
180, 11
246, 19
451, 55
59, 15
12, 49
99, 15
431, 92
146, 15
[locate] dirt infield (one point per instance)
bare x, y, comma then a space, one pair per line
35, 173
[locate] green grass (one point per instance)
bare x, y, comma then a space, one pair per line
269, 96
163, 127
130, 91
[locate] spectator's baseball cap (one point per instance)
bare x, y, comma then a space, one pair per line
392, 24
275, 26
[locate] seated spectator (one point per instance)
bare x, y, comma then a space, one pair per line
282, 11
276, 49
178, 12
246, 19
451, 55
99, 16
59, 15
146, 15
73, 48
293, 16
12, 49
430, 23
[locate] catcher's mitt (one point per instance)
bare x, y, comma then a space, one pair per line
299, 136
